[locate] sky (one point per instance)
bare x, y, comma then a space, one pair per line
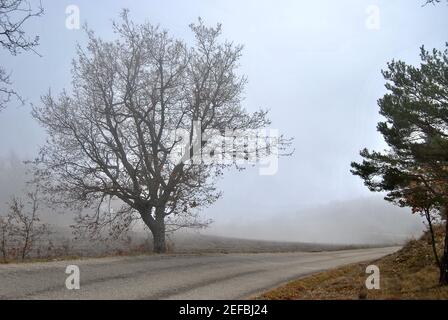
314, 64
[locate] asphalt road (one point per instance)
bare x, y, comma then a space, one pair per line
210, 276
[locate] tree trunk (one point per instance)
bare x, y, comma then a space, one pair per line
25, 248
158, 235
444, 263
3, 246
433, 239
156, 223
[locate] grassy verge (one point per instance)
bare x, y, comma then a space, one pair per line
410, 273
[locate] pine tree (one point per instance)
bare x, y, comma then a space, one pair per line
414, 170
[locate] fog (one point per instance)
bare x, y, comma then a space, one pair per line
368, 220
316, 66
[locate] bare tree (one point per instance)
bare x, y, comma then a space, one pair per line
13, 15
433, 2
112, 137
25, 228
5, 231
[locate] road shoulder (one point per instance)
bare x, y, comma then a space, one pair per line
409, 273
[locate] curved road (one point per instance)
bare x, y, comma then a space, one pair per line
208, 276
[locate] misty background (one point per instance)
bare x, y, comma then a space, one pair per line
316, 66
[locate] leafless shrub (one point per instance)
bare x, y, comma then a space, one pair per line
21, 229
5, 230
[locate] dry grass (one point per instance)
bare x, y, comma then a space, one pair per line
59, 254
410, 273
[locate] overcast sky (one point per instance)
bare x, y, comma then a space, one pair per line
315, 64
